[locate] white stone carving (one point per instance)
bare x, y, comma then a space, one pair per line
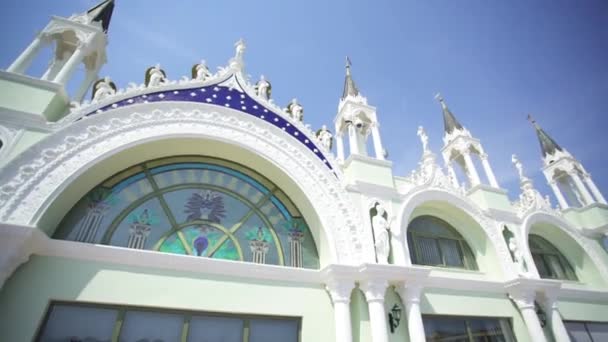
325, 138
381, 227
201, 71
295, 110
155, 76
263, 88
103, 89
39, 174
518, 257
424, 139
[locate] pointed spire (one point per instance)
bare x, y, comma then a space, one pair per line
350, 89
449, 120
102, 13
547, 144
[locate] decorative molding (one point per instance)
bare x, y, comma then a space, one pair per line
36, 176
374, 289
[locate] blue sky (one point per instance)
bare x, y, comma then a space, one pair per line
494, 62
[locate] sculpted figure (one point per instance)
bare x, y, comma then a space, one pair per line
381, 227
325, 137
295, 110
424, 138
103, 88
518, 166
200, 72
263, 88
518, 257
155, 76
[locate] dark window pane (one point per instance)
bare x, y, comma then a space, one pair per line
75, 323
577, 332
486, 330
215, 329
540, 266
555, 266
429, 252
144, 326
598, 331
273, 330
450, 249
445, 329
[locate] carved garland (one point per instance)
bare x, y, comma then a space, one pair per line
39, 172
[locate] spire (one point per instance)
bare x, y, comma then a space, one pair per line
102, 13
547, 144
350, 89
449, 120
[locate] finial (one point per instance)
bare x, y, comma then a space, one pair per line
532, 121
348, 64
438, 97
424, 139
519, 167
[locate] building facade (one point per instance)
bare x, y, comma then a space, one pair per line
199, 210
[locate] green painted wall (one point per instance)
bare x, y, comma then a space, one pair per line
374, 172
359, 314
26, 294
490, 199
589, 217
583, 311
31, 99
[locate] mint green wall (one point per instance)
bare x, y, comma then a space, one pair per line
359, 314
31, 99
26, 294
490, 199
369, 172
477, 304
589, 217
401, 333
596, 311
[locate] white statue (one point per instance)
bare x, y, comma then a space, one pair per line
325, 137
155, 76
240, 49
103, 88
518, 166
518, 257
296, 110
201, 72
263, 88
424, 138
381, 228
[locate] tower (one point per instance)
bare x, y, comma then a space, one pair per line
79, 39
459, 147
571, 184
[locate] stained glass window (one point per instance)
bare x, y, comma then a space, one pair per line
196, 206
434, 242
549, 261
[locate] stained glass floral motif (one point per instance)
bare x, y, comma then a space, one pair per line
195, 206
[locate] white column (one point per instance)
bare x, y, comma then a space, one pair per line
560, 334
410, 295
374, 294
377, 142
525, 303
53, 69
596, 192
70, 66
452, 174
340, 295
82, 91
473, 175
340, 147
581, 187
488, 170
558, 194
24, 60
352, 139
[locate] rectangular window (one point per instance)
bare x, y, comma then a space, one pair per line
587, 331
467, 329
79, 322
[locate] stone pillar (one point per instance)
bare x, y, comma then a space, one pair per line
473, 175
488, 170
560, 334
82, 91
340, 295
581, 188
525, 302
70, 66
377, 142
558, 194
410, 295
374, 294
452, 175
340, 147
596, 192
352, 139
24, 60
53, 69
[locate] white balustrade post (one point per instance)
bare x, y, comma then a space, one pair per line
581, 188
20, 65
340, 295
374, 294
560, 334
352, 139
89, 79
596, 192
558, 194
410, 295
488, 170
452, 174
377, 142
525, 303
70, 66
340, 146
473, 175
53, 69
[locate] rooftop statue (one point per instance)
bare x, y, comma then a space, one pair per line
263, 88
155, 76
200, 71
295, 110
103, 88
325, 138
424, 139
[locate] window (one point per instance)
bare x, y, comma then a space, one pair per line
70, 322
465, 329
549, 262
197, 206
434, 242
587, 331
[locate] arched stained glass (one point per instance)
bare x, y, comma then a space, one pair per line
434, 242
549, 261
196, 206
